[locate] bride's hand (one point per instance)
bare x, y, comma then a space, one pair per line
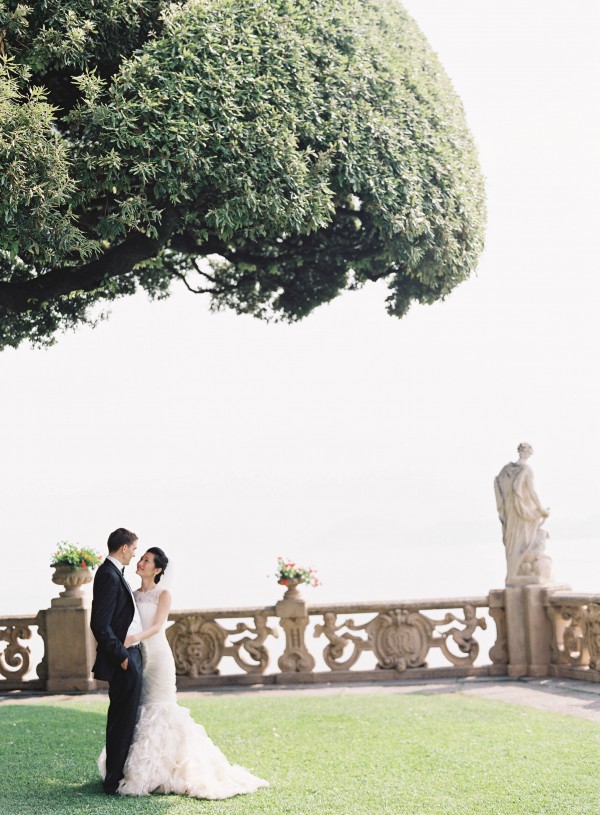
129, 641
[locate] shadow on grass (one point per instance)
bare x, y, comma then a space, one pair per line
48, 758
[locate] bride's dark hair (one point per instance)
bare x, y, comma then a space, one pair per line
161, 561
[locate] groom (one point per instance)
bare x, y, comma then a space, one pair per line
114, 615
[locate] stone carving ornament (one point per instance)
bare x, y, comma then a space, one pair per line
400, 639
522, 516
15, 659
333, 653
499, 650
462, 638
574, 649
199, 644
42, 668
592, 634
255, 648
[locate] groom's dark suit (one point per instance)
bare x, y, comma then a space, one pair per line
112, 612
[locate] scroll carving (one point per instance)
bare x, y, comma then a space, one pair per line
333, 653
591, 625
568, 641
499, 650
15, 658
42, 668
400, 637
574, 646
556, 639
199, 644
461, 638
255, 648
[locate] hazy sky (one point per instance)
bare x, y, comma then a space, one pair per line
360, 444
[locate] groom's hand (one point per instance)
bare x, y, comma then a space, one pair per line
125, 663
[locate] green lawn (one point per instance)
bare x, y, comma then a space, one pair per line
329, 755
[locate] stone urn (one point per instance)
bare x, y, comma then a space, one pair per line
72, 578
292, 592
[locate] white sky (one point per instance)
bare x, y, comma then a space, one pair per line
359, 444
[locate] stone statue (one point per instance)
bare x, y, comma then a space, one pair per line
522, 516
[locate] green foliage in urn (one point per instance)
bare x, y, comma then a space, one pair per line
76, 557
269, 154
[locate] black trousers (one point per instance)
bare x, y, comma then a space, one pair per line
124, 693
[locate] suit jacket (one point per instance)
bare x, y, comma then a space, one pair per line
112, 613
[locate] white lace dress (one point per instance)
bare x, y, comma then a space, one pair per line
170, 752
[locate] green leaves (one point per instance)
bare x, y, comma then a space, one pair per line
35, 179
311, 145
74, 556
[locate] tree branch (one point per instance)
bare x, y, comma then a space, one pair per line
181, 276
187, 244
25, 295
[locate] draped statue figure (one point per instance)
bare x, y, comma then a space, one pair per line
522, 517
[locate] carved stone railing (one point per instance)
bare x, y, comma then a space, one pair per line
392, 640
199, 641
292, 642
400, 635
288, 643
16, 664
575, 643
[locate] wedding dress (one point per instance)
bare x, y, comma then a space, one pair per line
170, 752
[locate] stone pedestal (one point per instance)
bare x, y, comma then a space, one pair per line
529, 631
70, 645
294, 619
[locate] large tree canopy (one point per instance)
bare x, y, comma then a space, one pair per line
269, 153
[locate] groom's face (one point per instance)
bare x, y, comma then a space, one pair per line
128, 553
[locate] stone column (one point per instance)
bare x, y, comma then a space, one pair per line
293, 617
70, 645
529, 631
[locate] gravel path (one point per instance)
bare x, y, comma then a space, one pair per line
573, 698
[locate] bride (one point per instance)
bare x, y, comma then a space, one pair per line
170, 753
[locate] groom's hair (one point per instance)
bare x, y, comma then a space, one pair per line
120, 537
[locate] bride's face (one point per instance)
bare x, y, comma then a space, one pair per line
146, 566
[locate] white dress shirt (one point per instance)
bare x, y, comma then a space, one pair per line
136, 624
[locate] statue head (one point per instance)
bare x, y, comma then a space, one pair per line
524, 450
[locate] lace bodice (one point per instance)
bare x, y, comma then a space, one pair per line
158, 672
148, 596
147, 603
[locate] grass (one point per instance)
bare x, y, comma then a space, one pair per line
323, 755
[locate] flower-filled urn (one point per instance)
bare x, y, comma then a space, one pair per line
73, 567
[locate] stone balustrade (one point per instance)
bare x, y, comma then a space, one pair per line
201, 639
533, 631
398, 636
575, 644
